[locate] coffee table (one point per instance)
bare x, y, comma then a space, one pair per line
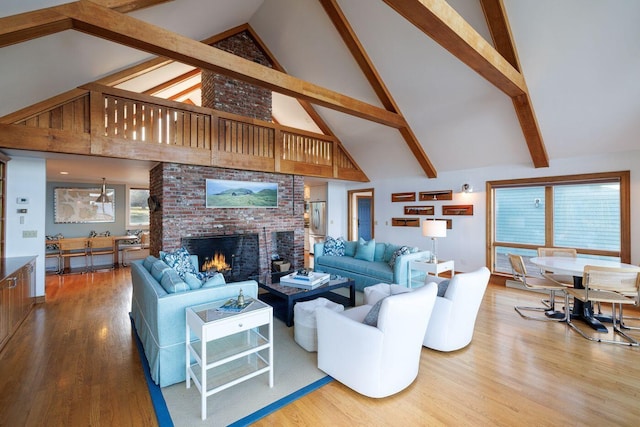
282, 298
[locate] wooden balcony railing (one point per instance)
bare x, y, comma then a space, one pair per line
105, 121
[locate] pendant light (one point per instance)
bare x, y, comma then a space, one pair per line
103, 198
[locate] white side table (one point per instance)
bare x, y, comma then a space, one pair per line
430, 268
229, 348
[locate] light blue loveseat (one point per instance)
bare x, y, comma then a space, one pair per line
367, 273
159, 318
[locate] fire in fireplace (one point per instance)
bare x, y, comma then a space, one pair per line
236, 256
217, 263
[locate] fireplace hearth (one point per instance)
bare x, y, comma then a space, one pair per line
236, 256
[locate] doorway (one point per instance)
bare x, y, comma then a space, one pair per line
361, 219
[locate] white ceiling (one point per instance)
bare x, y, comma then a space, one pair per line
580, 58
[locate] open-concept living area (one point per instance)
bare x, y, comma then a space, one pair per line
319, 212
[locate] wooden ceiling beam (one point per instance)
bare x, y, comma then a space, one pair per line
498, 23
43, 22
359, 53
446, 27
172, 82
500, 66
102, 22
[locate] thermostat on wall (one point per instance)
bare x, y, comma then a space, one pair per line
22, 200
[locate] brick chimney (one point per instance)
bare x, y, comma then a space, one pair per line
234, 96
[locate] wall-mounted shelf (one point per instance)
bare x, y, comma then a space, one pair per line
403, 197
405, 222
435, 195
419, 210
457, 210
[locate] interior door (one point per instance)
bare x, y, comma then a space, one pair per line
364, 217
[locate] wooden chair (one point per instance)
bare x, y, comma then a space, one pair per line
72, 248
101, 246
615, 286
537, 284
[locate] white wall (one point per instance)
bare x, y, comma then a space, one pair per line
26, 177
465, 242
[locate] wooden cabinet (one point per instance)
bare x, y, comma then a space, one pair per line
17, 294
3, 191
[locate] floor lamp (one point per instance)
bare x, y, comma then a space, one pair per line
434, 229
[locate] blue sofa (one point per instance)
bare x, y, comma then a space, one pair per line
160, 319
367, 273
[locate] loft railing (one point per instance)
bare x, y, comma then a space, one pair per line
126, 124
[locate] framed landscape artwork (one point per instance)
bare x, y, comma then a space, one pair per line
78, 205
222, 193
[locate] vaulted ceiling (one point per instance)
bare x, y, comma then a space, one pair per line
475, 82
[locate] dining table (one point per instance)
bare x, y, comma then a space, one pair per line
574, 266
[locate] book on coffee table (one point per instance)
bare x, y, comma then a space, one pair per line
311, 281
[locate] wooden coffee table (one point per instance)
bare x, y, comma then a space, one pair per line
282, 298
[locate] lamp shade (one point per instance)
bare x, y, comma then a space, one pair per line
435, 228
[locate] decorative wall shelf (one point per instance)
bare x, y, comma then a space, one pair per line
403, 197
405, 222
435, 195
419, 210
457, 210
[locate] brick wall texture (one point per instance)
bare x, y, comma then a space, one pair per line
183, 212
234, 96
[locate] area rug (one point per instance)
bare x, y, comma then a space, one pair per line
295, 374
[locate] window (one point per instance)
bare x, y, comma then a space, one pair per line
587, 212
137, 208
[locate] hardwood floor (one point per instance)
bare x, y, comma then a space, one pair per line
74, 362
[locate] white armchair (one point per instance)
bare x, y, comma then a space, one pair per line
381, 360
454, 315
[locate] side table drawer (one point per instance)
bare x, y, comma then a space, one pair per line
239, 323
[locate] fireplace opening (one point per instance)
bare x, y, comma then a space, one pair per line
236, 256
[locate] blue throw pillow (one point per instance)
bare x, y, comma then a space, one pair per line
172, 283
350, 248
158, 268
442, 288
399, 252
389, 250
216, 280
365, 250
371, 318
334, 247
180, 261
148, 262
193, 281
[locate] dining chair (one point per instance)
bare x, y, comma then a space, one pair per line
101, 246
609, 285
537, 284
624, 318
562, 279
72, 248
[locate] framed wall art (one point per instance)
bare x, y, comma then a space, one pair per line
79, 205
457, 210
222, 193
419, 210
403, 197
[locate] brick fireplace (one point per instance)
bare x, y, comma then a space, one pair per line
183, 212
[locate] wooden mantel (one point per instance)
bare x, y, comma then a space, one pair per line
103, 121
